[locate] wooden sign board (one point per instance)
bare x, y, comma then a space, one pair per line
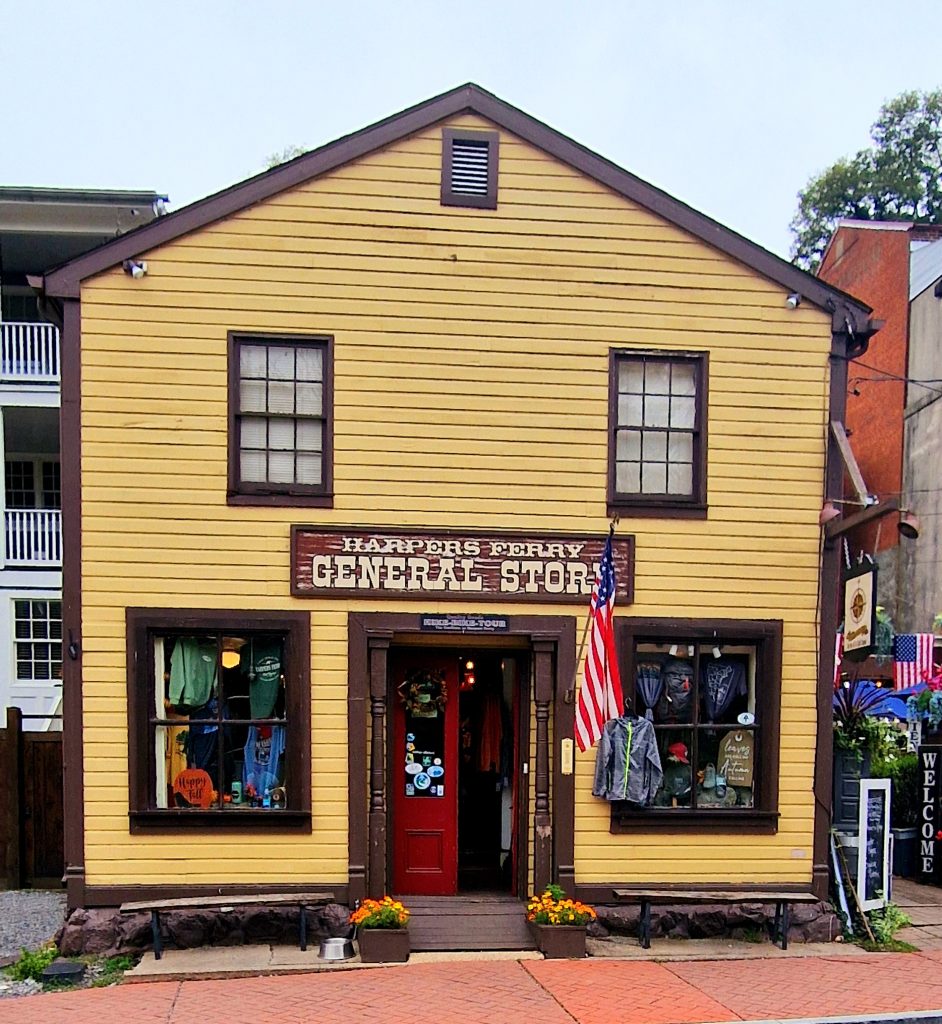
390, 563
736, 756
873, 851
860, 611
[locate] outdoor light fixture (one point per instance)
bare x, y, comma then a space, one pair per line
829, 512
908, 525
135, 268
793, 301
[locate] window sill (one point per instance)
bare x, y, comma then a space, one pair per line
175, 820
488, 202
655, 510
282, 500
681, 820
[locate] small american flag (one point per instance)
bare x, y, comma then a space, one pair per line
838, 658
912, 658
600, 696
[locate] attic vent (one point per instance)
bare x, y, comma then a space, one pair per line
469, 168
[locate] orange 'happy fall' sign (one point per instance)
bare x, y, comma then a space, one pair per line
195, 786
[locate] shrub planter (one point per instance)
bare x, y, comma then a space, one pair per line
383, 945
560, 941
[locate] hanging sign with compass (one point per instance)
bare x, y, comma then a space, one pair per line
860, 610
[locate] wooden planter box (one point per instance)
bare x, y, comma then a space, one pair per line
383, 945
560, 941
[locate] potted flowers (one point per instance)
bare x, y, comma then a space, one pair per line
381, 931
558, 923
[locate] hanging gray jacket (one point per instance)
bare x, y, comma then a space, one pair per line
627, 763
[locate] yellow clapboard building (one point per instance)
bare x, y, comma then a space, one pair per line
343, 446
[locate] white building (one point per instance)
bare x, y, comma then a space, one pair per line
39, 229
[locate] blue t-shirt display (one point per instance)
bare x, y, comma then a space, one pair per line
264, 750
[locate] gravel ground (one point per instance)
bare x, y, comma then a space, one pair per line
28, 917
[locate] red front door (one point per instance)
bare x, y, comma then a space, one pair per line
424, 779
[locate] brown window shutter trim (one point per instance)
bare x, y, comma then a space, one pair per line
469, 174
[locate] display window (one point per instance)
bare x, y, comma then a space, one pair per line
711, 691
218, 724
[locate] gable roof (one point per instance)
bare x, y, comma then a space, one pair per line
925, 267
65, 281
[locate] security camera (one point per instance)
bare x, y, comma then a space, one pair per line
793, 301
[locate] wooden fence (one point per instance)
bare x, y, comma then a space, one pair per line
31, 812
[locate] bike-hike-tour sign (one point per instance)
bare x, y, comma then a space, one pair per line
354, 562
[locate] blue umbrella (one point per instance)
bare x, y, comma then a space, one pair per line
886, 703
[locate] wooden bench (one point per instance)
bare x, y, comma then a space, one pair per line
782, 899
301, 900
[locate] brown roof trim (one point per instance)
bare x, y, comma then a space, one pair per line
65, 281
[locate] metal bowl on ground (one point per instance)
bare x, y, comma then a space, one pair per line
335, 949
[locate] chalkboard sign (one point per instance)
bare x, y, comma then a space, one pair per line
873, 861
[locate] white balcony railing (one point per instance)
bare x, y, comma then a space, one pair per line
29, 352
33, 536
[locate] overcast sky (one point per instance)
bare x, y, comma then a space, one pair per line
729, 105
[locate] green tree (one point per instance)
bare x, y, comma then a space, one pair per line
899, 177
288, 153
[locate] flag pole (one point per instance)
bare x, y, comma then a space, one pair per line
571, 693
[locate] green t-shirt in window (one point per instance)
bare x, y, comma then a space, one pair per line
192, 672
265, 663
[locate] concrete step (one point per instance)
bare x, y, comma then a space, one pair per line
467, 923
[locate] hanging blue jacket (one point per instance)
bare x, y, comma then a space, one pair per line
627, 762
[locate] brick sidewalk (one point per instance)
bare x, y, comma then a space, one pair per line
510, 992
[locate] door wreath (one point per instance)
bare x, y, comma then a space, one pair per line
423, 693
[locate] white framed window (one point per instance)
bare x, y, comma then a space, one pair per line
37, 640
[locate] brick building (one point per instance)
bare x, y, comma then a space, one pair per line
871, 259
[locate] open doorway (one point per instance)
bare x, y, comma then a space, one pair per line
459, 794
489, 753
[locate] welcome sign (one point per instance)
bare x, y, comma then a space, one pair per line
439, 564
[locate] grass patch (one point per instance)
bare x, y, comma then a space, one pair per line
113, 970
32, 963
890, 946
100, 972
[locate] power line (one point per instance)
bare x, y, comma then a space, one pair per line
886, 375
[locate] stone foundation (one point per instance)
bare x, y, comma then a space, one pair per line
809, 922
105, 931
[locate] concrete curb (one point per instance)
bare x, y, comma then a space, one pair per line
903, 1017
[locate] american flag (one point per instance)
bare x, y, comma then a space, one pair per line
912, 658
600, 696
838, 658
